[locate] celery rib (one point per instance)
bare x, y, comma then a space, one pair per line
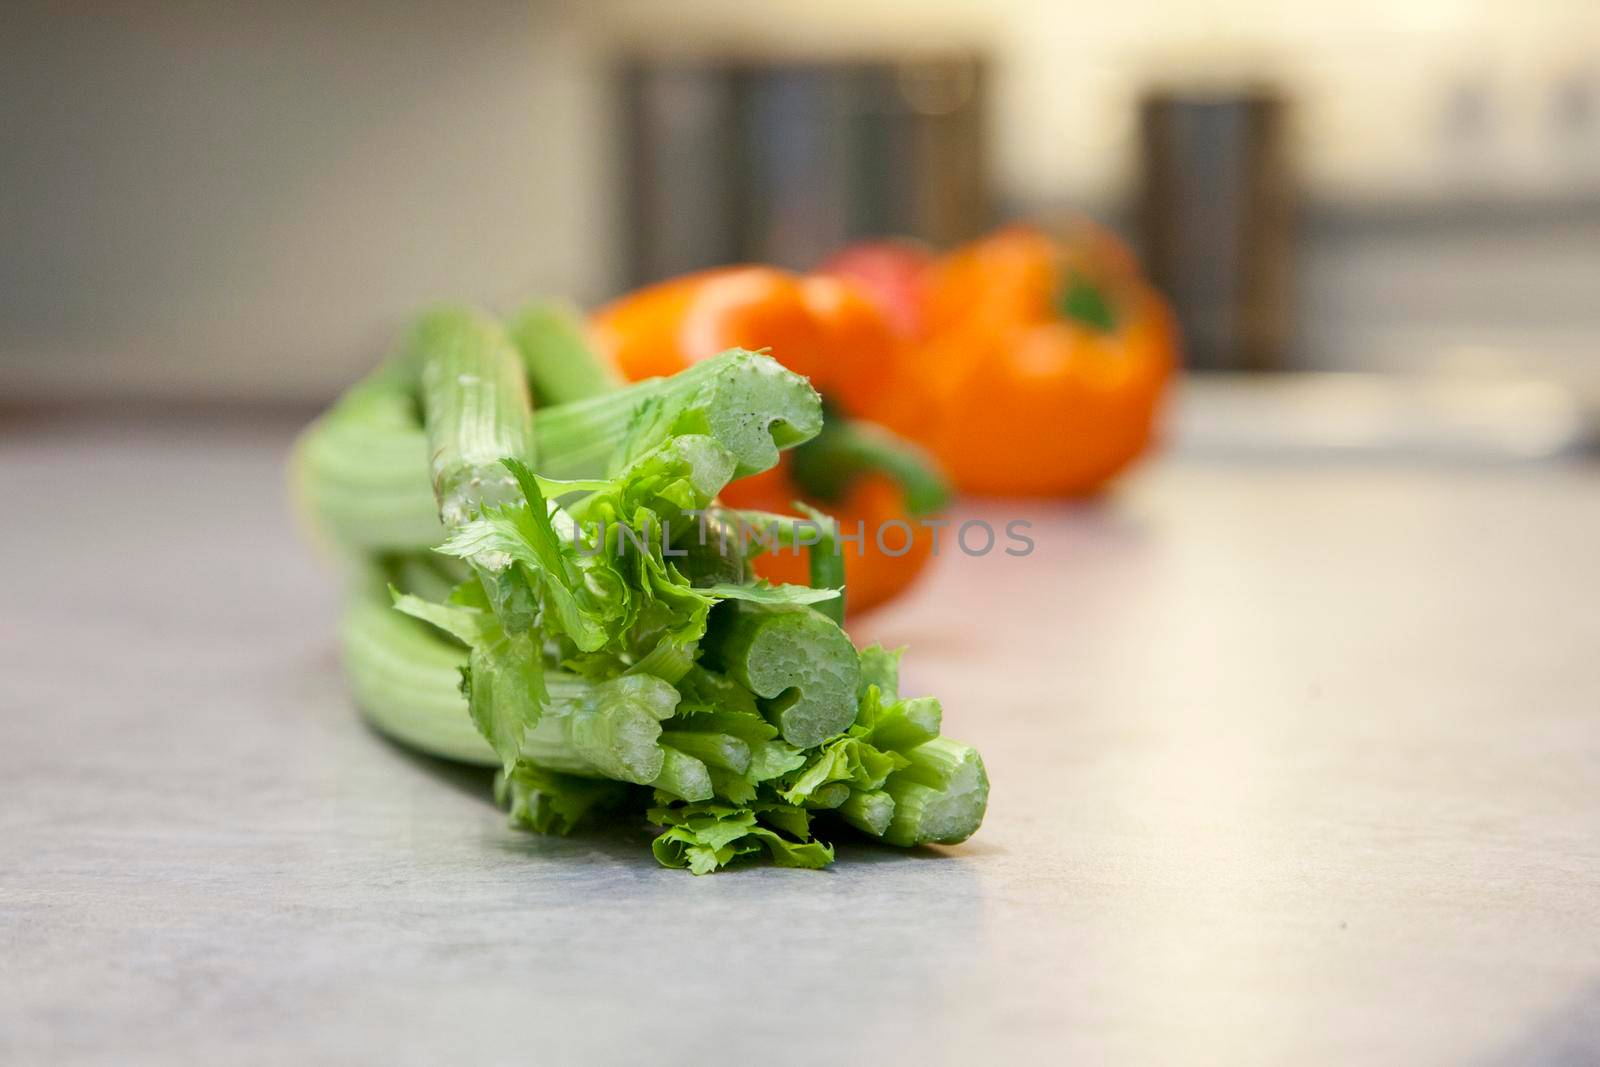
407, 681
475, 410
367, 478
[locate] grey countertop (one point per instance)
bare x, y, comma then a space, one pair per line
1291, 763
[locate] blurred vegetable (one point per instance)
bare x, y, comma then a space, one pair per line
1042, 367
830, 329
824, 328
876, 487
552, 337
893, 273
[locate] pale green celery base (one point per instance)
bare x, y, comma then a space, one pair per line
407, 681
684, 776
940, 798
869, 812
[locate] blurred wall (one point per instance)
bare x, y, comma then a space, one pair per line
1448, 151
230, 200
241, 200
1395, 98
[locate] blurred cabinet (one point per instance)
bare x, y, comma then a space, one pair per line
734, 160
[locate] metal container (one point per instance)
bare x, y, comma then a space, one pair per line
1215, 213
782, 162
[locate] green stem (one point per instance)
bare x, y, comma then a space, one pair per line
361, 469
407, 681
825, 466
474, 409
683, 776
722, 751
869, 812
799, 662
823, 558
562, 366
913, 722
1085, 302
940, 798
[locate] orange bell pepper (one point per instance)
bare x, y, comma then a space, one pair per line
871, 502
1043, 366
823, 327
829, 330
876, 487
892, 272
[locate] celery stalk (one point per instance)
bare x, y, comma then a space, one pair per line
715, 750
684, 777
551, 633
407, 681
561, 364
940, 798
361, 469
869, 811
475, 410
799, 662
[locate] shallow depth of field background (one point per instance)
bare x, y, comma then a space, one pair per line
241, 203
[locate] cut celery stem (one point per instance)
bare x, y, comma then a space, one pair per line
722, 751
748, 728
748, 402
828, 795
684, 776
916, 721
669, 661
868, 811
475, 410
619, 728
940, 798
800, 662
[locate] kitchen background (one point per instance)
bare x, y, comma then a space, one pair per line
241, 203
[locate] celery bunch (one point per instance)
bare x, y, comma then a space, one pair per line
557, 593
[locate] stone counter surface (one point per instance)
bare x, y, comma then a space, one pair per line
1291, 764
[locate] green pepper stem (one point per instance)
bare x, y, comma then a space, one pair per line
1085, 302
823, 556
846, 448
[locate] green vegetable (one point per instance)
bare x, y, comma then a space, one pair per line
940, 797
869, 811
561, 366
362, 470
475, 409
848, 448
547, 802
798, 663
555, 593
